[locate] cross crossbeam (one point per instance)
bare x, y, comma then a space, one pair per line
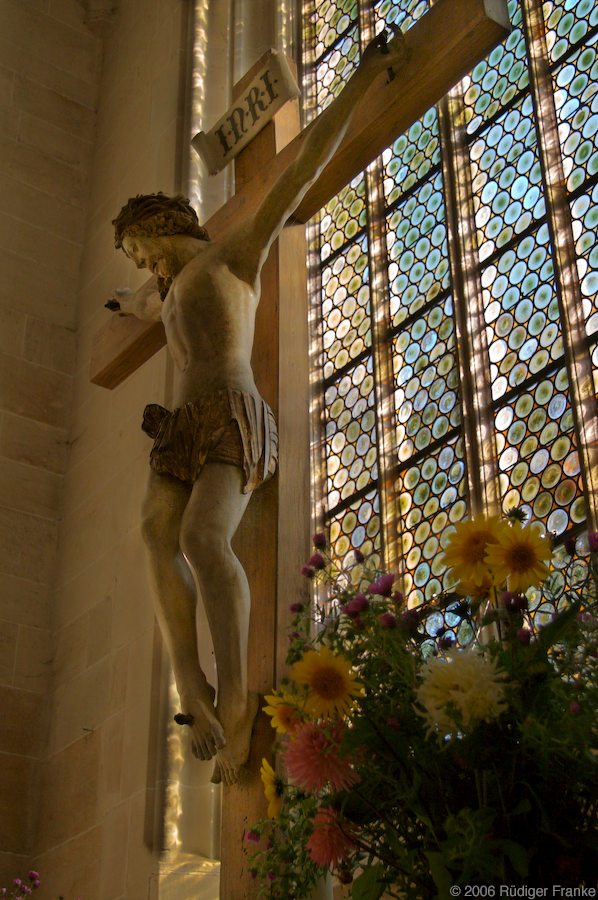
442, 46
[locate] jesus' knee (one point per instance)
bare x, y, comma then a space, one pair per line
210, 553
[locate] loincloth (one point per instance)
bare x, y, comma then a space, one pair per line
231, 426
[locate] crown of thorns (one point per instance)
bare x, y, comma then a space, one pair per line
157, 215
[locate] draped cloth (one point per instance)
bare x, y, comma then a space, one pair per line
230, 426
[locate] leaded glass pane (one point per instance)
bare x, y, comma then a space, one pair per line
432, 497
537, 454
496, 80
417, 248
332, 18
412, 156
521, 313
351, 458
584, 212
576, 100
346, 318
507, 178
357, 528
567, 23
335, 67
403, 13
342, 217
426, 381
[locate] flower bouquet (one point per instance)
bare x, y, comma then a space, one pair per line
411, 762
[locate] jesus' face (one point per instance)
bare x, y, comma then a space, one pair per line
153, 253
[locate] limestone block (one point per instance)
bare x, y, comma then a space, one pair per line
50, 106
50, 345
17, 792
33, 443
80, 705
29, 489
111, 757
27, 546
70, 650
7, 79
81, 90
57, 143
36, 393
8, 651
142, 865
39, 169
50, 41
115, 832
73, 869
23, 720
10, 863
24, 602
52, 214
82, 590
134, 773
40, 290
9, 121
35, 247
32, 663
99, 631
12, 330
132, 599
118, 681
69, 786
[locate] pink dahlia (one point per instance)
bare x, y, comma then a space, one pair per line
312, 759
329, 844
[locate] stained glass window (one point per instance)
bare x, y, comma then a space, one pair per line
399, 468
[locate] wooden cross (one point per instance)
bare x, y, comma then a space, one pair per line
272, 542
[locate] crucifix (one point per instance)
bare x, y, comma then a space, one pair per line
273, 185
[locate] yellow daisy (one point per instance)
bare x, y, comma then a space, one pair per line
460, 690
285, 715
273, 789
328, 677
517, 560
467, 546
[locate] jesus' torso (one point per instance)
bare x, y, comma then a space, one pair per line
209, 320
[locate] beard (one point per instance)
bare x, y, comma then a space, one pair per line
170, 266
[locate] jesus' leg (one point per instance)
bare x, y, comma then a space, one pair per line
211, 518
175, 602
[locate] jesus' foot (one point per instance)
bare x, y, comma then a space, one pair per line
207, 733
238, 725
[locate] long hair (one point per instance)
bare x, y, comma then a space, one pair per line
157, 215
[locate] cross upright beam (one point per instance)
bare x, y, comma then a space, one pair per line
442, 46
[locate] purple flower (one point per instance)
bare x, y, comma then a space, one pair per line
410, 620
252, 836
271, 876
570, 545
358, 555
398, 598
387, 620
17, 882
33, 875
358, 623
308, 572
514, 602
296, 607
319, 540
253, 873
382, 585
524, 636
593, 541
317, 561
574, 708
356, 605
37, 883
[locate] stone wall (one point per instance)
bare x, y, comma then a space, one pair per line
78, 664
49, 68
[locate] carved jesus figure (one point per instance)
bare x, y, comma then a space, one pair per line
219, 443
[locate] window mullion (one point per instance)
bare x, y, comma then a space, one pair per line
563, 243
476, 393
381, 344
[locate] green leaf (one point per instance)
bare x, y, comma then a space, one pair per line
442, 878
553, 631
369, 885
517, 855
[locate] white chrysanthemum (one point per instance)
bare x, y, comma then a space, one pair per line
460, 690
